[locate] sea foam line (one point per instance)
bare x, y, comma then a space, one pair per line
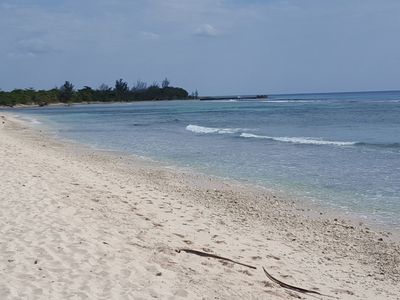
293, 140
35, 121
298, 140
202, 129
29, 119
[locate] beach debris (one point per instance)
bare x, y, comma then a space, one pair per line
205, 254
273, 279
292, 287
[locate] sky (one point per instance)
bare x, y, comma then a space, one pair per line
215, 46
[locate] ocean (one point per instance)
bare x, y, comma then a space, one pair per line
337, 150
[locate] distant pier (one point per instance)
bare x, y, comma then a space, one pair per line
234, 97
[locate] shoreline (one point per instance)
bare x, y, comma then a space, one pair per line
61, 104
378, 220
313, 209
337, 258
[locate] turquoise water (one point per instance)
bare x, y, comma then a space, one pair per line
339, 150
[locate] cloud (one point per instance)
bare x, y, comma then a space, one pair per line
31, 47
149, 35
207, 30
97, 41
34, 45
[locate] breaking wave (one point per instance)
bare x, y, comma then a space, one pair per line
241, 132
299, 140
294, 140
201, 129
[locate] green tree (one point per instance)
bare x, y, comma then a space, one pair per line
165, 83
66, 92
121, 90
139, 86
104, 93
85, 94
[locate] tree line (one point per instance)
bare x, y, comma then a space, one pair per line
121, 92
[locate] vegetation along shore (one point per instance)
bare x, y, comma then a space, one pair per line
121, 91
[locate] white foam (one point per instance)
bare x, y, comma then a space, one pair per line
298, 140
35, 121
294, 140
220, 101
292, 101
29, 119
201, 129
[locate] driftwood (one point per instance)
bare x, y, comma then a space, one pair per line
280, 283
291, 287
205, 254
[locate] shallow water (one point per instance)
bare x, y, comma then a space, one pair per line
339, 150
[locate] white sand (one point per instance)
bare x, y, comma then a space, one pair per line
77, 224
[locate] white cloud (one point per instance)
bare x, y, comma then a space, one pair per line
149, 35
115, 35
21, 55
30, 47
34, 45
207, 30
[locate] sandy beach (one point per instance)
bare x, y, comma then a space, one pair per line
76, 223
